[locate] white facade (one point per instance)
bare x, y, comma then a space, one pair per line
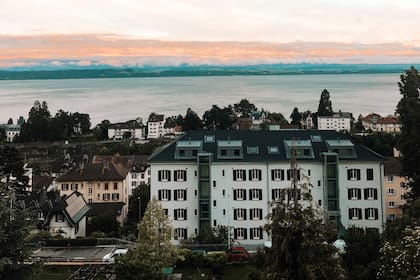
60, 225
137, 178
337, 123
118, 133
224, 202
155, 129
12, 131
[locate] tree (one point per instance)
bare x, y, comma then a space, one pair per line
141, 192
244, 108
278, 118
81, 123
106, 223
408, 109
154, 249
296, 117
325, 107
36, 127
101, 130
301, 242
10, 121
192, 121
219, 118
16, 213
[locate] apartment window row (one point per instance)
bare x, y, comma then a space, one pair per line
240, 214
180, 214
353, 174
253, 175
108, 196
179, 195
356, 194
370, 214
242, 233
165, 175
280, 194
241, 194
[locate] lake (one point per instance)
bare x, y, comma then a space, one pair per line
122, 99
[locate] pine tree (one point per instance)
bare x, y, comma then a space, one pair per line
409, 111
154, 249
325, 106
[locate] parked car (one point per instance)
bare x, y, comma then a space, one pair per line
111, 256
238, 254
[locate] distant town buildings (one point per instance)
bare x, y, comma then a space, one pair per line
393, 189
133, 129
155, 126
340, 121
231, 178
377, 123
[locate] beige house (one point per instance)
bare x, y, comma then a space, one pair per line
104, 185
393, 192
377, 123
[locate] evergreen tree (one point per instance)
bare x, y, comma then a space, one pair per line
10, 121
325, 107
219, 118
408, 109
192, 121
296, 117
154, 248
244, 108
278, 118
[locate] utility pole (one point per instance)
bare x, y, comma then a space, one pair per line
294, 170
139, 198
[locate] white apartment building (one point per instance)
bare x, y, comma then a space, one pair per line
338, 121
128, 130
231, 178
12, 131
155, 126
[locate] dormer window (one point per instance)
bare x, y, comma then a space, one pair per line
209, 138
252, 150
344, 148
188, 149
302, 148
229, 149
273, 149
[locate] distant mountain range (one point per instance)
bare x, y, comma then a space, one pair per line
199, 70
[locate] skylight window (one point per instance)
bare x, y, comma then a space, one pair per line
209, 138
273, 149
252, 150
316, 138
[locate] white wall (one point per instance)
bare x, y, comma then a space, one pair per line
334, 123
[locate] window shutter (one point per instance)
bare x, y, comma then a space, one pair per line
250, 174
358, 174
185, 233
259, 174
160, 194
176, 175
245, 215
360, 213
245, 233
251, 216
235, 233
359, 194
169, 175
169, 195
366, 191
185, 194
244, 173
175, 215
376, 214
185, 214
244, 193
366, 213
260, 214
175, 196
272, 195
185, 176
375, 193
259, 194
234, 175
250, 194
348, 174
298, 175
272, 174
261, 233
235, 194
160, 175
235, 214
349, 193
350, 216
282, 174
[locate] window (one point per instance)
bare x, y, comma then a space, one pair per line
223, 152
309, 172
195, 212
371, 213
98, 185
255, 174
106, 196
209, 138
277, 174
256, 233
319, 183
371, 194
239, 175
214, 184
180, 194
391, 217
239, 233
164, 195
290, 174
223, 192
239, 214
369, 174
64, 187
390, 178
239, 194
354, 194
273, 149
353, 174
252, 150
355, 213
391, 191
115, 196
90, 200
106, 186
115, 186
59, 217
180, 234
90, 191
134, 183
180, 214
164, 175
223, 172
214, 203
291, 194
180, 175
391, 204
255, 214
74, 187
278, 194
224, 212
402, 197
255, 194
134, 176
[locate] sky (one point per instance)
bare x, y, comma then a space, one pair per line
137, 32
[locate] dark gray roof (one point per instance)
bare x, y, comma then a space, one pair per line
262, 139
104, 208
133, 124
392, 166
107, 171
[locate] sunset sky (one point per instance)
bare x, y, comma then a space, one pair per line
135, 32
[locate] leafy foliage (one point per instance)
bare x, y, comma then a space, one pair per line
244, 108
409, 111
296, 117
325, 106
192, 121
219, 118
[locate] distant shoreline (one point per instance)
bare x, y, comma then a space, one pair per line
202, 71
